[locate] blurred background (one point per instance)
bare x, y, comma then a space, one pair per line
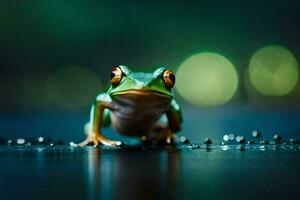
236, 63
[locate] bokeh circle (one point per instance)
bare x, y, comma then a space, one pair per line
273, 71
73, 86
206, 79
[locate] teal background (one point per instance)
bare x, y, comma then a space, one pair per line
39, 37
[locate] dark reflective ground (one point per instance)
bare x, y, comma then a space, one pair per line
181, 172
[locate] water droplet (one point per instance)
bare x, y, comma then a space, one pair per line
225, 147
184, 140
293, 141
264, 142
194, 146
20, 141
9, 142
39, 149
255, 134
226, 137
240, 147
41, 139
277, 137
118, 143
292, 147
262, 148
240, 139
207, 141
231, 136
72, 144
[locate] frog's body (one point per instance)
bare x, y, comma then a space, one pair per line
135, 105
136, 114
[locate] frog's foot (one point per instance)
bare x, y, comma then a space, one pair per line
164, 136
97, 139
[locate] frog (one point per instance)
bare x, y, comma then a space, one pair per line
136, 104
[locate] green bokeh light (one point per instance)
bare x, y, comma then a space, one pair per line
206, 79
273, 71
73, 86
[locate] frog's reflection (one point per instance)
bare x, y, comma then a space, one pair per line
93, 161
133, 174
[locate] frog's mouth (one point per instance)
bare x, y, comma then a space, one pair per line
141, 92
142, 96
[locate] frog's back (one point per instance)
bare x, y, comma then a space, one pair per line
136, 113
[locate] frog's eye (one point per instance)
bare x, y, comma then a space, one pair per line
168, 78
116, 76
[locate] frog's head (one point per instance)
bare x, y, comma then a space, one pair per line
126, 82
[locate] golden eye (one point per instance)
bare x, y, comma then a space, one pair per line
116, 76
168, 78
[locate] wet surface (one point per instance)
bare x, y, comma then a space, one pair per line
187, 171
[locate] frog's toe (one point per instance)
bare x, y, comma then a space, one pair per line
97, 140
166, 141
170, 140
87, 141
116, 143
108, 142
83, 143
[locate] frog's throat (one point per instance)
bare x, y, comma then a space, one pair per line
141, 92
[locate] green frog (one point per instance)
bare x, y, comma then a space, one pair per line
136, 104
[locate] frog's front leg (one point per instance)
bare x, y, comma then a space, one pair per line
166, 134
97, 120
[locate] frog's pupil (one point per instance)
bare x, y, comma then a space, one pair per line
172, 77
112, 75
